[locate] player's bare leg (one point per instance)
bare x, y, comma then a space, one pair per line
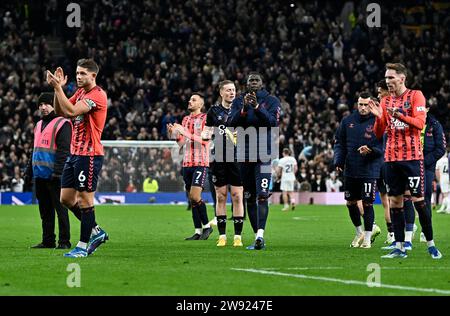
221, 213
69, 198
292, 199
285, 201
444, 206
360, 207
237, 194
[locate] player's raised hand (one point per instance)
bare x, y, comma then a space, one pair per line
375, 108
169, 129
250, 100
59, 73
393, 111
52, 80
179, 128
207, 133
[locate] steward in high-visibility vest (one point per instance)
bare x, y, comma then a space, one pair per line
52, 136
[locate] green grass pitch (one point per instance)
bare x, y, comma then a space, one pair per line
307, 254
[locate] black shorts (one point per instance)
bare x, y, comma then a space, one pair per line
360, 189
194, 176
381, 181
224, 173
401, 175
81, 172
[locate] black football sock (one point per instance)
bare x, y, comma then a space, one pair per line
389, 227
368, 216
410, 214
222, 224
355, 216
263, 213
87, 223
238, 224
77, 212
252, 210
196, 216
424, 219
398, 222
201, 209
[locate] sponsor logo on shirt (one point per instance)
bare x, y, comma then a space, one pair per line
397, 124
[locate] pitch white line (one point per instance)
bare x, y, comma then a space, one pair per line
340, 268
415, 268
305, 268
302, 276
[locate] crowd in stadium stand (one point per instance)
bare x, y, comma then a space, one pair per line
315, 57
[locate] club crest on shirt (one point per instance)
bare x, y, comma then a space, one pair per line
406, 105
351, 125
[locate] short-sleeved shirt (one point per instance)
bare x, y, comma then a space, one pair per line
88, 127
196, 154
288, 164
223, 139
404, 132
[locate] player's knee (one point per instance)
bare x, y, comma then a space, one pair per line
194, 197
236, 195
396, 201
66, 201
221, 197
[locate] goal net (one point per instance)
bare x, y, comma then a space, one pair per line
134, 166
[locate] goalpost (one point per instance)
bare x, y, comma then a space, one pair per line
128, 163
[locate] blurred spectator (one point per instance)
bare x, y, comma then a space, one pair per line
318, 183
150, 185
315, 56
332, 183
